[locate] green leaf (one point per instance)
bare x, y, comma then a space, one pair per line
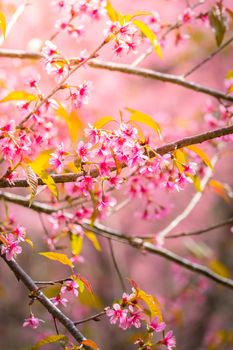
62, 258
19, 96
48, 340
202, 155
218, 23
150, 35
3, 24
143, 118
103, 121
76, 244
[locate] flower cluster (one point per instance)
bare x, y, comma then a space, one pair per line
129, 312
11, 240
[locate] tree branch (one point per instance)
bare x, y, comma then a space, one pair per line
72, 177
135, 242
128, 69
201, 231
51, 308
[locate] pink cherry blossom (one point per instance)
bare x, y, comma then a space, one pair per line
32, 322
70, 286
156, 325
116, 314
169, 341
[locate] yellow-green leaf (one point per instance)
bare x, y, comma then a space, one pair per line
152, 303
150, 35
103, 121
62, 258
219, 268
144, 118
28, 241
196, 182
33, 183
137, 14
39, 165
19, 96
3, 24
73, 121
76, 244
179, 159
111, 11
91, 344
94, 240
48, 340
202, 155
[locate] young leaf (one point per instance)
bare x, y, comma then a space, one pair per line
111, 11
220, 189
19, 96
218, 23
202, 155
103, 121
33, 182
39, 165
62, 258
76, 244
143, 118
94, 240
73, 121
179, 159
152, 303
48, 340
219, 268
3, 24
150, 35
91, 344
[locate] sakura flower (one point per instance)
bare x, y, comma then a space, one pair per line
187, 16
116, 314
20, 233
32, 322
59, 300
70, 286
135, 317
83, 150
169, 341
12, 248
156, 325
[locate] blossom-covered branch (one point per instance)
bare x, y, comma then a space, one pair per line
22, 276
72, 177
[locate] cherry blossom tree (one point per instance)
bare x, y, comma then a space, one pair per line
80, 160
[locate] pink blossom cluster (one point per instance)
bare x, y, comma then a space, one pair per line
128, 313
11, 240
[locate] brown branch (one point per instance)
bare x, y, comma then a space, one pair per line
204, 230
22, 276
135, 242
72, 177
123, 68
151, 74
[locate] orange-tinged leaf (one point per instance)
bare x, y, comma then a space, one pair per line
3, 24
103, 121
202, 155
91, 344
19, 96
94, 240
48, 340
76, 244
220, 189
230, 89
62, 258
145, 29
219, 268
137, 116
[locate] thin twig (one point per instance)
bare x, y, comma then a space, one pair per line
201, 231
91, 318
209, 57
115, 264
